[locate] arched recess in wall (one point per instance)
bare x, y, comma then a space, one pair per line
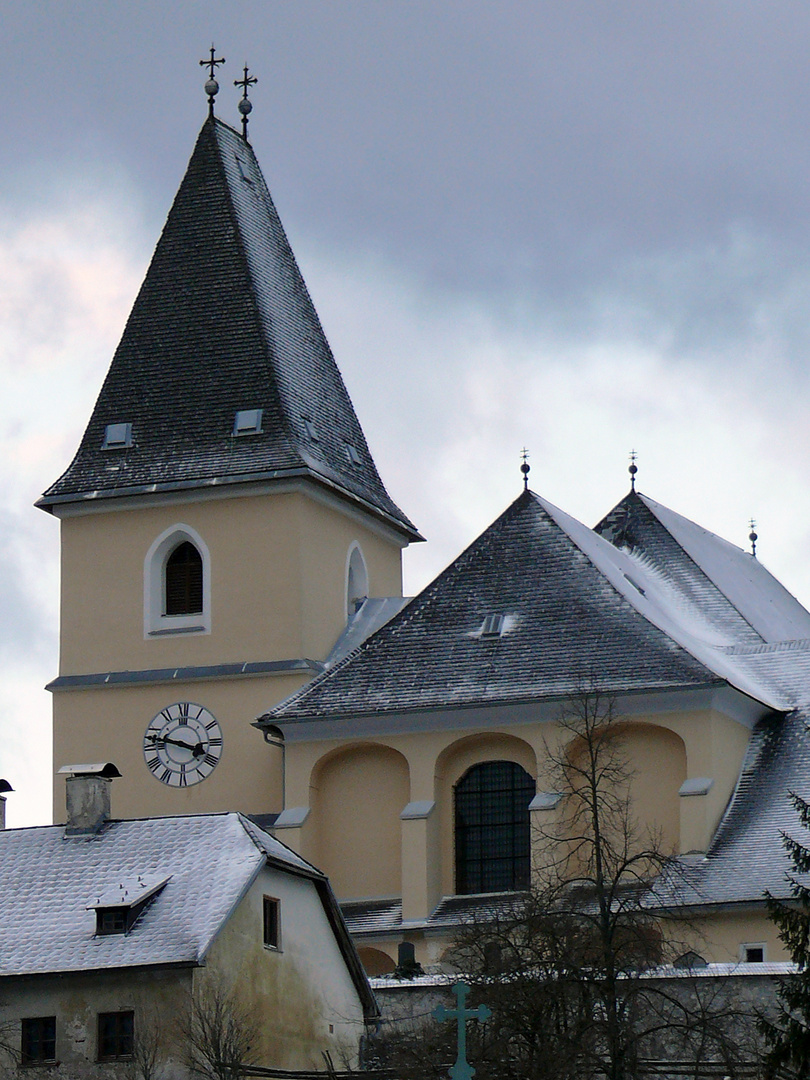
656, 764
357, 795
356, 579
375, 961
452, 765
177, 583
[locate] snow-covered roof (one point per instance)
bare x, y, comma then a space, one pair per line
50, 884
623, 605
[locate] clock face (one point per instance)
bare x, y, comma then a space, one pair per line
183, 744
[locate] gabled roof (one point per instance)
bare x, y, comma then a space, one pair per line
725, 580
577, 610
224, 323
50, 883
564, 625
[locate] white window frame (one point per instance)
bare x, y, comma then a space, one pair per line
155, 622
355, 550
746, 945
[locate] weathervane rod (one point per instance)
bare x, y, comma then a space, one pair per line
245, 106
211, 84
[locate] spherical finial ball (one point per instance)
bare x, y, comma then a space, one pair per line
212, 87
525, 468
245, 106
633, 469
752, 536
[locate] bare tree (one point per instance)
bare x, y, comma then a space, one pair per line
577, 971
220, 1032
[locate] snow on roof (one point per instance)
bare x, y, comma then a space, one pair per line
754, 668
50, 883
774, 612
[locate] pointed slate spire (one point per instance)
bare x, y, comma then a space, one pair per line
223, 324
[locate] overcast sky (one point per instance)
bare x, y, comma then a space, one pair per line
582, 227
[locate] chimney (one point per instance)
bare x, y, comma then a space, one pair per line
4, 787
87, 790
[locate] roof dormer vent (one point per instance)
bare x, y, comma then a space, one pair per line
352, 455
117, 436
248, 422
118, 907
492, 626
310, 429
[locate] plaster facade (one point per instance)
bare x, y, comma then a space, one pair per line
278, 594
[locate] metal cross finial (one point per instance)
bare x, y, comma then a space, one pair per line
462, 1070
633, 469
211, 84
752, 536
525, 467
245, 106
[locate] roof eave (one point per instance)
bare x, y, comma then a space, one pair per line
50, 503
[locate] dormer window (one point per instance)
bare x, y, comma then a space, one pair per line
310, 429
119, 907
248, 422
352, 455
117, 436
492, 626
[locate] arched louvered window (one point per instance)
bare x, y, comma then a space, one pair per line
184, 581
492, 828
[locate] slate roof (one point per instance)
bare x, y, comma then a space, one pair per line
564, 623
580, 606
48, 880
732, 588
223, 322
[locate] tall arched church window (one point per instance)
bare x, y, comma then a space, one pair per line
356, 580
184, 581
177, 584
492, 837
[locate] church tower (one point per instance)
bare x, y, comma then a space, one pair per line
222, 517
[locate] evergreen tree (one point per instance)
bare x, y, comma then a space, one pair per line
789, 1038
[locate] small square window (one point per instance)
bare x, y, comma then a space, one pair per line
272, 922
248, 422
38, 1040
116, 1035
753, 952
492, 626
117, 436
111, 920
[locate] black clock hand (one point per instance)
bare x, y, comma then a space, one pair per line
196, 750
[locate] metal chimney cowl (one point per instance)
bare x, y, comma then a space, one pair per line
87, 794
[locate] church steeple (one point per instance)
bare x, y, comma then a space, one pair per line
223, 326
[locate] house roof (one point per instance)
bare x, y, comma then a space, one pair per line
224, 323
651, 605
50, 884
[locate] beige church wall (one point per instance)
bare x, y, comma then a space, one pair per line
76, 1001
356, 797
302, 992
278, 581
719, 938
108, 724
324, 563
